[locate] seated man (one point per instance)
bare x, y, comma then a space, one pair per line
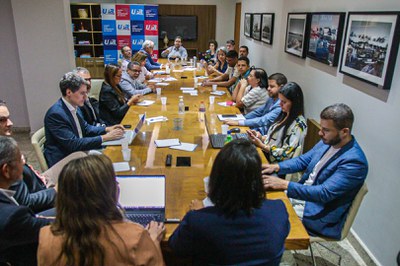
243, 67
19, 228
230, 45
176, 51
66, 131
147, 49
261, 118
126, 57
90, 109
231, 74
243, 51
129, 81
335, 169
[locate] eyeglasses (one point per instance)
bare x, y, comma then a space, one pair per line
89, 79
135, 70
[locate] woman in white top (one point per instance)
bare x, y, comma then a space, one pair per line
141, 59
252, 92
289, 129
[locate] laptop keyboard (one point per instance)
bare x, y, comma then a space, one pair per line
144, 218
218, 140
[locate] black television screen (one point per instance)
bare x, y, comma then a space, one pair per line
184, 26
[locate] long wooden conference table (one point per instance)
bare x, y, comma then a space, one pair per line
184, 184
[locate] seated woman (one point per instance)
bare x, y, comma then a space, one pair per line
211, 53
252, 93
112, 104
141, 59
89, 229
289, 129
221, 65
243, 227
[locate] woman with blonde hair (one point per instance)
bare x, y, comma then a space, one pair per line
141, 59
89, 228
112, 104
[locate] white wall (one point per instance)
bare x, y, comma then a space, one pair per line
376, 126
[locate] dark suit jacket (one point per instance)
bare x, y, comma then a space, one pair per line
31, 192
62, 136
112, 111
87, 112
19, 233
329, 198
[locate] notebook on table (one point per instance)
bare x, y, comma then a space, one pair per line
143, 197
129, 135
217, 140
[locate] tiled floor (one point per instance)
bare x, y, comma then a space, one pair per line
350, 250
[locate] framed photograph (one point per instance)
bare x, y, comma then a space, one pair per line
267, 27
296, 31
256, 27
370, 47
247, 24
325, 37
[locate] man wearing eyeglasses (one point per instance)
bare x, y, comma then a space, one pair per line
126, 57
130, 84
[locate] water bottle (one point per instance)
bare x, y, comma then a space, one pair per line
202, 107
194, 61
181, 106
228, 138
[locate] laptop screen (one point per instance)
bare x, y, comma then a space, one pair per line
138, 191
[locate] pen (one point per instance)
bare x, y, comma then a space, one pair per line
172, 220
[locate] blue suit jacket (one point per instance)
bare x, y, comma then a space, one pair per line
19, 233
209, 237
329, 198
150, 64
62, 136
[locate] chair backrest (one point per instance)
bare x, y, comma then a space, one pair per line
355, 205
95, 89
312, 136
38, 139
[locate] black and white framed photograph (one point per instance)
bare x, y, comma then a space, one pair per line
267, 27
325, 37
247, 24
295, 34
256, 27
370, 47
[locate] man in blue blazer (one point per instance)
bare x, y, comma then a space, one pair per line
19, 228
147, 49
335, 169
66, 131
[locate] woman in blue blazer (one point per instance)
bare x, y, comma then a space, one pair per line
243, 228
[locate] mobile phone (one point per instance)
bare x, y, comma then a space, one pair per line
127, 126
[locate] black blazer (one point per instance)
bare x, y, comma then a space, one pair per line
88, 115
19, 233
112, 111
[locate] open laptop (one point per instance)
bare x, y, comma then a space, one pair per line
218, 140
129, 135
143, 197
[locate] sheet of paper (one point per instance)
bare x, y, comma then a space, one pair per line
145, 103
121, 167
162, 84
231, 117
177, 70
155, 80
187, 89
170, 79
159, 72
184, 147
193, 93
219, 93
190, 68
161, 143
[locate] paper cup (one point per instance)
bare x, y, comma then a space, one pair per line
178, 123
214, 87
126, 154
212, 99
158, 91
163, 100
224, 129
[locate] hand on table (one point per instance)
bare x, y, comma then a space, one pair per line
269, 168
274, 183
231, 122
135, 99
115, 133
156, 231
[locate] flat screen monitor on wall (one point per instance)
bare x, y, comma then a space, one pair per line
184, 26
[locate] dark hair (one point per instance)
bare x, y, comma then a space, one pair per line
245, 47
262, 75
235, 180
139, 57
178, 37
292, 92
72, 81
131, 64
8, 150
86, 205
244, 58
231, 42
110, 71
214, 42
340, 114
232, 54
279, 78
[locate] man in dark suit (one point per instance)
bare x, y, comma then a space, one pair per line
66, 130
335, 169
90, 109
19, 228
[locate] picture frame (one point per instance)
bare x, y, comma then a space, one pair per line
370, 47
247, 24
267, 27
256, 27
325, 37
296, 32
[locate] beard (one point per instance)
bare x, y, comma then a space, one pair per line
333, 141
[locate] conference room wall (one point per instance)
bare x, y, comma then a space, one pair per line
376, 117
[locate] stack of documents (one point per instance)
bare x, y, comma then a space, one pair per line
175, 144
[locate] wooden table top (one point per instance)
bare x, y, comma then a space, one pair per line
184, 184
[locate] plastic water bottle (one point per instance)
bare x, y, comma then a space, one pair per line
228, 138
194, 61
181, 105
202, 107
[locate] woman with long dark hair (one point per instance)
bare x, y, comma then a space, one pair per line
289, 129
112, 104
242, 227
89, 228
